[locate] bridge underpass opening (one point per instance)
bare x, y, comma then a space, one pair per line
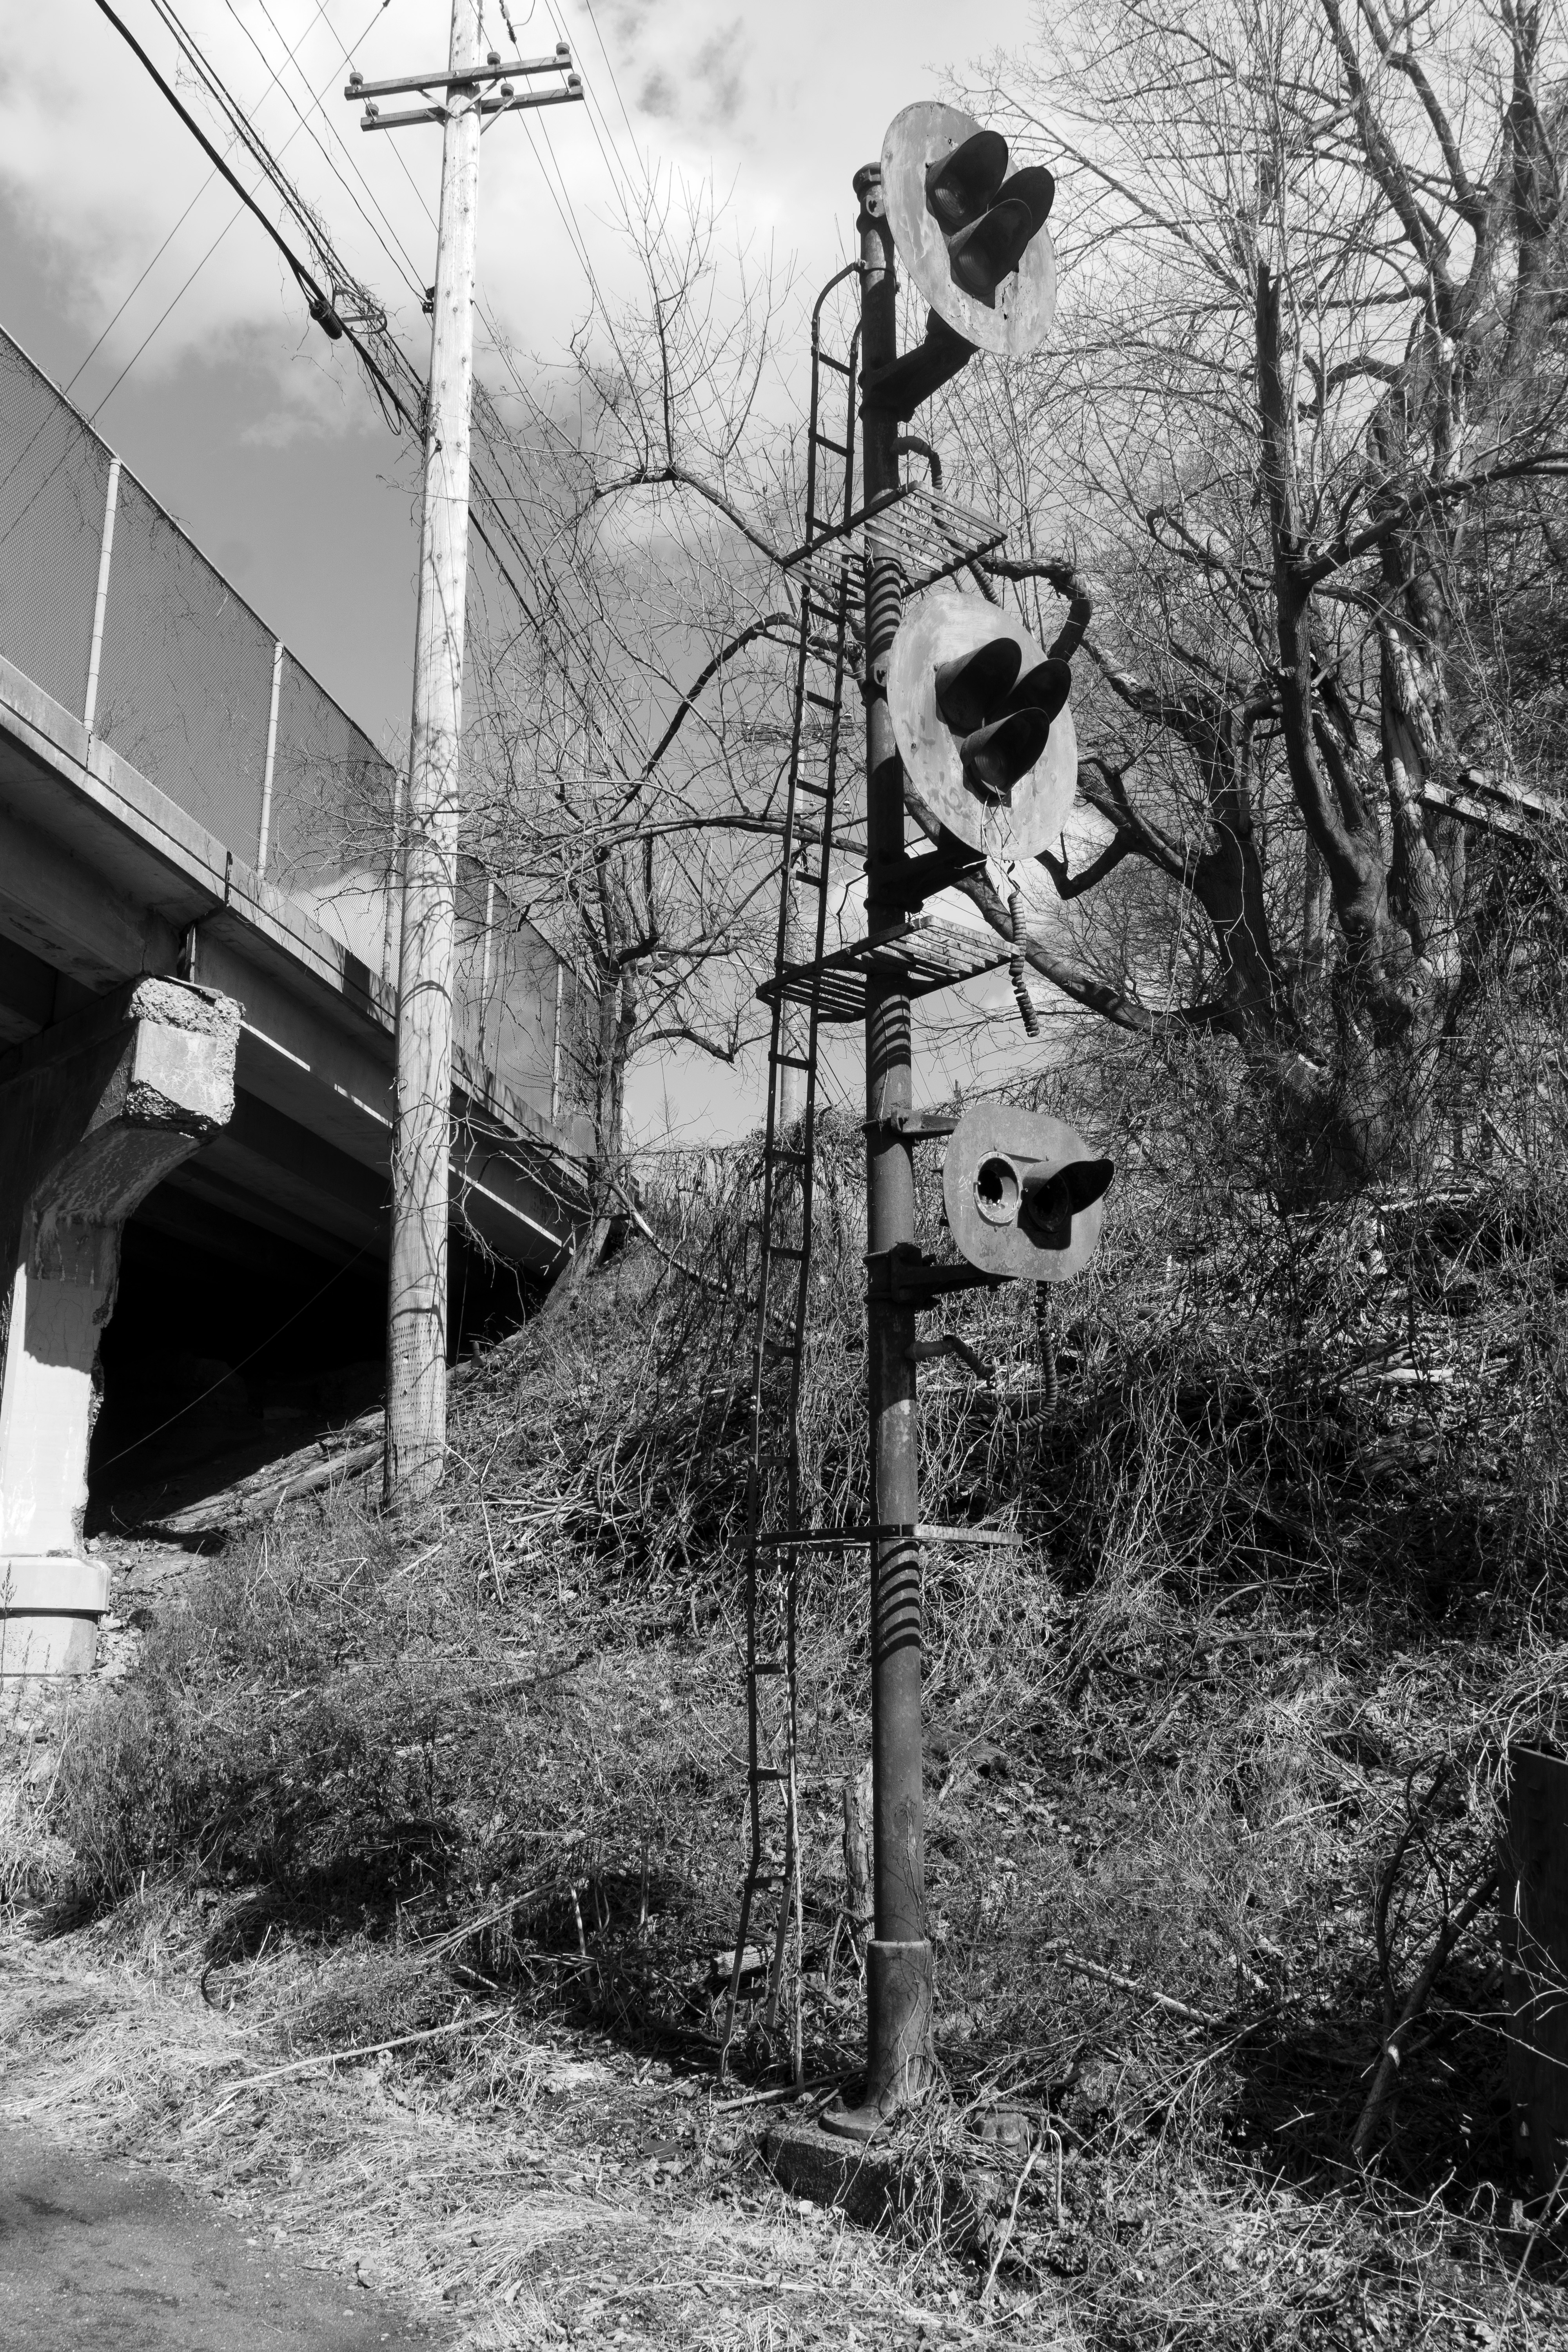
230, 1347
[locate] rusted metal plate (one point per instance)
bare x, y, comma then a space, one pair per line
991, 1150
1535, 1954
943, 627
1026, 302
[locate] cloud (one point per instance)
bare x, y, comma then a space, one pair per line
657, 96
718, 67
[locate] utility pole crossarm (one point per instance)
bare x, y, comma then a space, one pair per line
374, 121
471, 77
466, 82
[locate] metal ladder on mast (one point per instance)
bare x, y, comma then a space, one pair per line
784, 1223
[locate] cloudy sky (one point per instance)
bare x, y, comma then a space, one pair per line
124, 273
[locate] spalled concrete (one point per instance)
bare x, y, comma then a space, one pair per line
94, 1112
868, 2182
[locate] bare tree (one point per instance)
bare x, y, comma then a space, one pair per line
634, 720
1307, 387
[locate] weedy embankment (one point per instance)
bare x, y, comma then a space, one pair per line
1214, 1744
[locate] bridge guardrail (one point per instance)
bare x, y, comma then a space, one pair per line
111, 608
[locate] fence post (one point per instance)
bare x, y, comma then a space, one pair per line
265, 830
487, 974
555, 1045
101, 602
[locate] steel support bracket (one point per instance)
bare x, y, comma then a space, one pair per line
926, 1351
914, 1125
909, 1279
912, 880
908, 381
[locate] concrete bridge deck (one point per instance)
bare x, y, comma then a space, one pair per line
198, 924
104, 879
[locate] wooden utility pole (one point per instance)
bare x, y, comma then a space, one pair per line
421, 1146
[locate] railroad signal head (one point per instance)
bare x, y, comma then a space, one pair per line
981, 720
1000, 713
972, 236
1023, 1194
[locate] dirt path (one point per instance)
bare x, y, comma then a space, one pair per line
544, 2189
93, 2253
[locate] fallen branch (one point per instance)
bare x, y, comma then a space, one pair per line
341, 1466
780, 2095
1420, 1993
1005, 2238
340, 2057
484, 1694
1165, 2001
502, 1914
266, 1490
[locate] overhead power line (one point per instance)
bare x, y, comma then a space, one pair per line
104, 333
385, 234
498, 523
317, 303
398, 384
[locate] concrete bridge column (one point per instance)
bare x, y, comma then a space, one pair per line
94, 1112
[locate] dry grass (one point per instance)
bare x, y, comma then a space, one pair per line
541, 2187
1226, 1725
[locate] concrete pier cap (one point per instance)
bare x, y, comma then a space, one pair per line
94, 1112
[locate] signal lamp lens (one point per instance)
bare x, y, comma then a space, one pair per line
1033, 186
1045, 687
1046, 1214
996, 1193
970, 688
990, 250
995, 757
1053, 1197
962, 186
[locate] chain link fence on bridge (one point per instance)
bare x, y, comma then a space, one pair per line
109, 607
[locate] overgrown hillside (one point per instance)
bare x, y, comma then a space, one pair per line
1214, 1744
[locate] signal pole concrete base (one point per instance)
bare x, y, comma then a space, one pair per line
836, 2168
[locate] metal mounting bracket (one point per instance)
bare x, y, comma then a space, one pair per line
909, 882
914, 1125
909, 1279
909, 380
926, 1351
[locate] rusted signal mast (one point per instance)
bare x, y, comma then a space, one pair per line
960, 703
